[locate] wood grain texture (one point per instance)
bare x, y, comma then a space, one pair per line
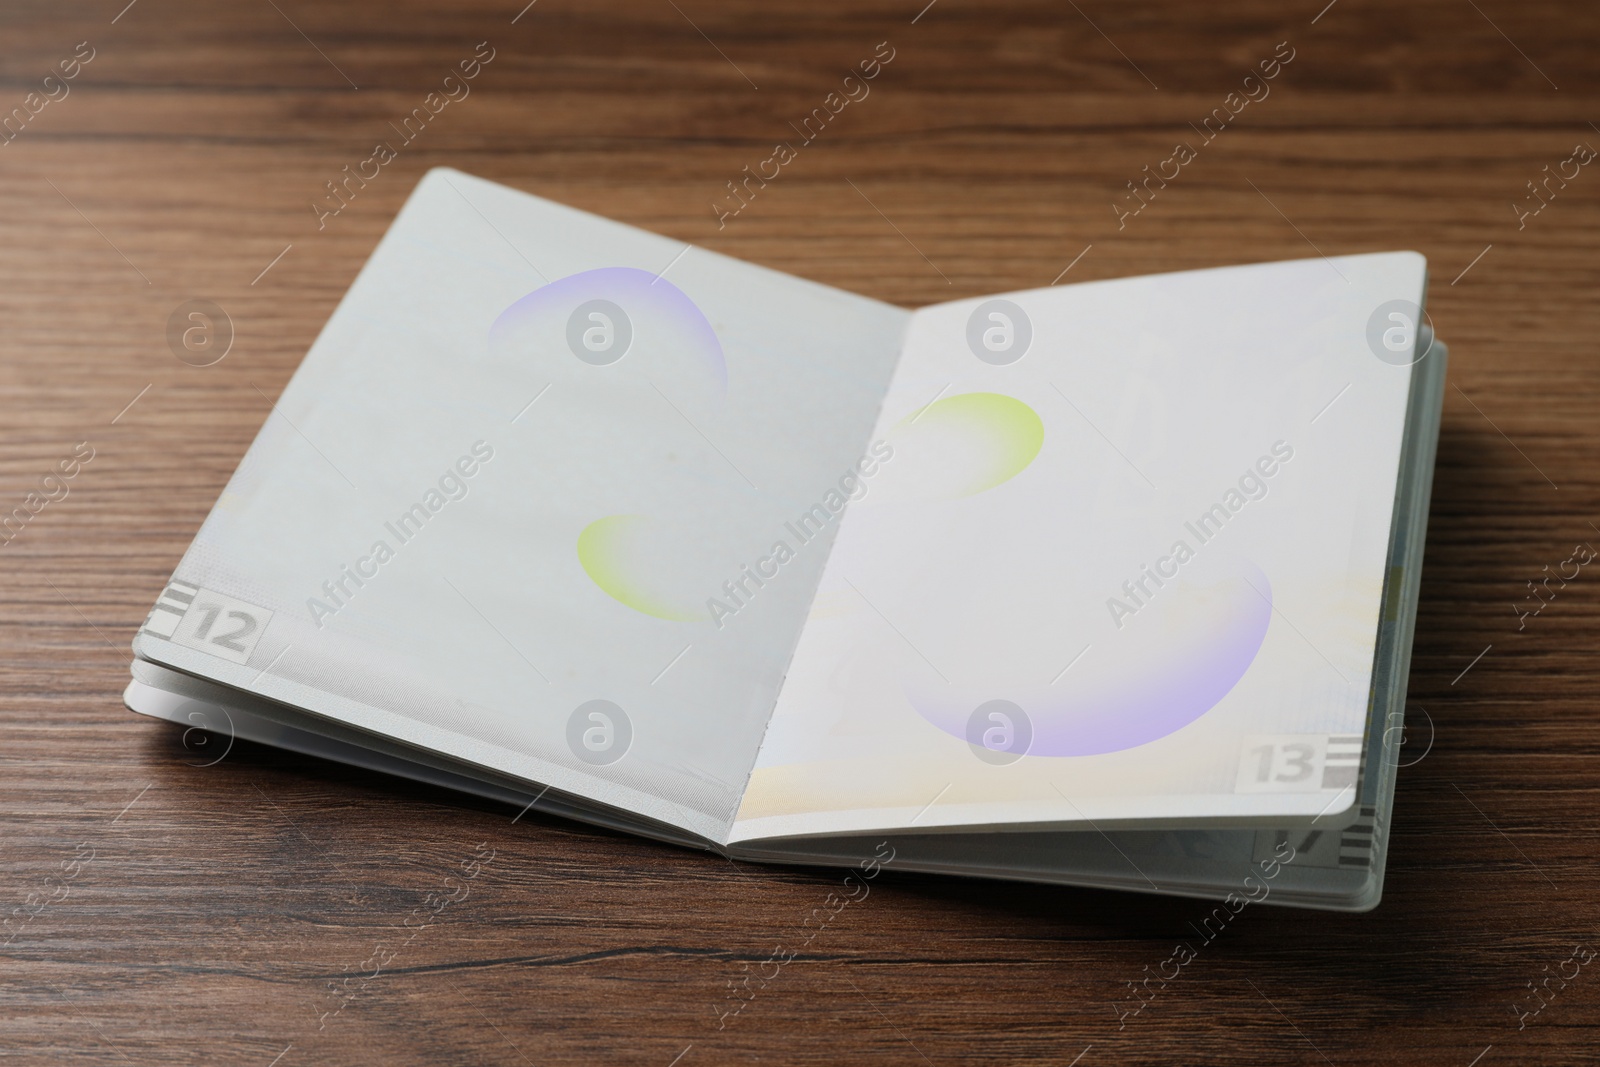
210, 907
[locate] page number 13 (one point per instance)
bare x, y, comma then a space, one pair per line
1285, 763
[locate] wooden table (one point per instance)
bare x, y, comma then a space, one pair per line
173, 912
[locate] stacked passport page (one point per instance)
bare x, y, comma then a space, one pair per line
1108, 584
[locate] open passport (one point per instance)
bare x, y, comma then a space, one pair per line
1109, 584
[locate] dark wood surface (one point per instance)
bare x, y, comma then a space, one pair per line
263, 910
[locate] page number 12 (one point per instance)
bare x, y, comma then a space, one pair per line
221, 625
